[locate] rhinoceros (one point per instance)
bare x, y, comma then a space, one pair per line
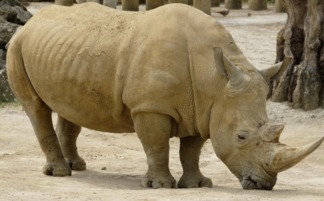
172, 71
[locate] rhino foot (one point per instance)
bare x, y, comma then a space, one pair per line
158, 182
194, 182
57, 170
77, 164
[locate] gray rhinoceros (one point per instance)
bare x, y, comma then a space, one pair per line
172, 71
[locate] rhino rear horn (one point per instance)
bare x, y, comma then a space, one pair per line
286, 157
226, 68
272, 132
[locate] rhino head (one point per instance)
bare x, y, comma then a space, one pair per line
244, 139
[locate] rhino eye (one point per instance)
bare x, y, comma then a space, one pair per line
242, 136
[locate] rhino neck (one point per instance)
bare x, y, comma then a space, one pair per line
208, 98
217, 127
208, 88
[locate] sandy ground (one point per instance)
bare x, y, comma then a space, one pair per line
116, 162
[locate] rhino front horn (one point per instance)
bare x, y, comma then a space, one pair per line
285, 157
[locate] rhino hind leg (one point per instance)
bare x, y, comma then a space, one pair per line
68, 133
189, 155
41, 117
154, 132
38, 112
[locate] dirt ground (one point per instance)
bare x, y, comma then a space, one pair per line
116, 162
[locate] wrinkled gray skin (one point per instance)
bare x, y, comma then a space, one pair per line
122, 72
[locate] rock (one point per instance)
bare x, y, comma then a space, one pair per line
12, 15
22, 15
110, 3
13, 11
2, 59
6, 94
7, 29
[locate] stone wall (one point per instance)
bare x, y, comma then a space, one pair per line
12, 15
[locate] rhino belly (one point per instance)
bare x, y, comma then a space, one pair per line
87, 103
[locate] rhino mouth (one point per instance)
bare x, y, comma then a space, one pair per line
253, 182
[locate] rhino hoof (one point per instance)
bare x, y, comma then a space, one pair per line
168, 182
57, 171
78, 164
195, 182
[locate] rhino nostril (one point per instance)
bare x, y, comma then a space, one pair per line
248, 183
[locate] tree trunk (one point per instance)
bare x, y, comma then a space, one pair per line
64, 2
151, 4
95, 1
203, 5
233, 4
301, 83
215, 3
131, 5
178, 1
258, 4
279, 6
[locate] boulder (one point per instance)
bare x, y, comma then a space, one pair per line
7, 29
13, 11
6, 94
2, 59
12, 15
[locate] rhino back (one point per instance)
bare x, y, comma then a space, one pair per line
97, 67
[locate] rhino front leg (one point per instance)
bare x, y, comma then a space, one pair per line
154, 132
68, 133
189, 156
41, 119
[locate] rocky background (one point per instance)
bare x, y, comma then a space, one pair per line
12, 15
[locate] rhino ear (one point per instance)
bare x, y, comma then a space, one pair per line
219, 61
278, 68
225, 67
271, 71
